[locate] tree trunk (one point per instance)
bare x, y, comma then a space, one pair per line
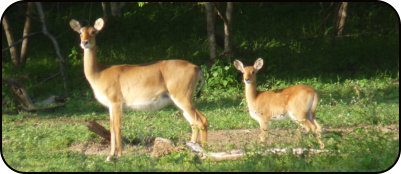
210, 21
340, 20
227, 21
228, 30
27, 28
104, 9
341, 17
116, 8
10, 40
326, 13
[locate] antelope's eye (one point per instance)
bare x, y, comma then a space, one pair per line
93, 32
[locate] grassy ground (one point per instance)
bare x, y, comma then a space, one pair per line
355, 77
42, 141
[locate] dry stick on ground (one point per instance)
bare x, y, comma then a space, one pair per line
47, 109
19, 90
98, 129
236, 154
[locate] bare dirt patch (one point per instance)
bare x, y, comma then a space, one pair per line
240, 138
223, 140
103, 148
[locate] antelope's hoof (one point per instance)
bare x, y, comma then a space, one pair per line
108, 159
321, 146
203, 143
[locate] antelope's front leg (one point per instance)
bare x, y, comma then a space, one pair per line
195, 133
115, 111
112, 135
263, 130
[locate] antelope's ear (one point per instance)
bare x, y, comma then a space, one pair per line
75, 25
238, 64
99, 24
258, 64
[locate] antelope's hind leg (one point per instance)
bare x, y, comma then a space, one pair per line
197, 121
315, 128
203, 126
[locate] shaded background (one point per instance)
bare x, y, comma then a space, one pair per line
296, 40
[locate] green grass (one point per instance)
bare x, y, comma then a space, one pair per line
39, 142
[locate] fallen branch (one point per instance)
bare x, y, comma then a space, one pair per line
46, 79
46, 109
19, 90
214, 156
98, 129
235, 154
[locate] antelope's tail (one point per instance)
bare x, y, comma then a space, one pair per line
202, 80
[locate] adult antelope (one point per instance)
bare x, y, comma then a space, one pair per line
140, 87
298, 102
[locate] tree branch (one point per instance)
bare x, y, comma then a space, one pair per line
220, 14
46, 79
55, 43
19, 41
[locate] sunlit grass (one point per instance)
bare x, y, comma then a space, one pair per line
39, 142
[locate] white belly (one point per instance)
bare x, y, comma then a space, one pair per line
256, 117
151, 104
279, 117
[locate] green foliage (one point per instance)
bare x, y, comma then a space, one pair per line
141, 4
75, 58
220, 76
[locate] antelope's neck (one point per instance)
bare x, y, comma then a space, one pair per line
91, 66
250, 93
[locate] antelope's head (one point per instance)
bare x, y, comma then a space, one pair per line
249, 72
87, 33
